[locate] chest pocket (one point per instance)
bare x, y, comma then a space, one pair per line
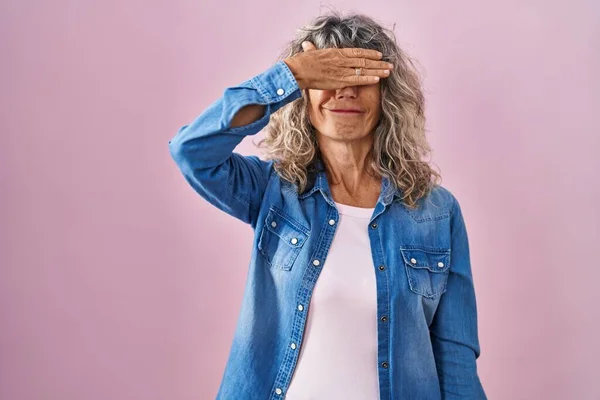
281, 239
427, 269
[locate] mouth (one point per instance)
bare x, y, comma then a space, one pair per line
345, 111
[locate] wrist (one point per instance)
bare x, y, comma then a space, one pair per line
291, 63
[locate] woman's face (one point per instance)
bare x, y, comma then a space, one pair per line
326, 111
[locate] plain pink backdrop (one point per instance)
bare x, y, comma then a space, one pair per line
117, 281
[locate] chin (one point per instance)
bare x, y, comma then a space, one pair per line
350, 135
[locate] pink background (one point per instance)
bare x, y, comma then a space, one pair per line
117, 281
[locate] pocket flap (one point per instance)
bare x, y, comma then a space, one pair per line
284, 227
435, 260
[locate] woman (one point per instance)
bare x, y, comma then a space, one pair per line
359, 284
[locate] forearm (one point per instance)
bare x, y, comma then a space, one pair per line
242, 110
204, 149
247, 115
454, 333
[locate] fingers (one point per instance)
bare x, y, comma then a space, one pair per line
367, 76
363, 58
336, 66
358, 52
307, 45
365, 63
355, 80
382, 73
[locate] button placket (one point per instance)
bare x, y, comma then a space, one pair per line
294, 343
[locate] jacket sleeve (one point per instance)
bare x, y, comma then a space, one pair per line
203, 149
453, 330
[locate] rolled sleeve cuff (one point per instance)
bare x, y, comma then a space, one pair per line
277, 83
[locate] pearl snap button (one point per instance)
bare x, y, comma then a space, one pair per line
278, 391
294, 240
441, 264
280, 91
273, 224
412, 260
316, 263
332, 222
300, 307
293, 346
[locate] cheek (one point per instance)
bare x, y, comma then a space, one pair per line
315, 117
316, 114
313, 112
377, 112
313, 104
374, 117
376, 107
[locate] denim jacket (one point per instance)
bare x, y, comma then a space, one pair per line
427, 340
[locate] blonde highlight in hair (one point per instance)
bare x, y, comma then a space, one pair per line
399, 138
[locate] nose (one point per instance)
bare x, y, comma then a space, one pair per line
348, 91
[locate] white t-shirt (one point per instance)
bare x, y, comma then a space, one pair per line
338, 356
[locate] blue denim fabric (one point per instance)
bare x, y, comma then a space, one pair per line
427, 340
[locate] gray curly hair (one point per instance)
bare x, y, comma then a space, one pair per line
399, 138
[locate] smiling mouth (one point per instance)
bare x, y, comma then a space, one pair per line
346, 112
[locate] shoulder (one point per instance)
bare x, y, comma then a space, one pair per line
444, 196
436, 205
452, 204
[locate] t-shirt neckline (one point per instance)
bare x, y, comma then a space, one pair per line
352, 211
